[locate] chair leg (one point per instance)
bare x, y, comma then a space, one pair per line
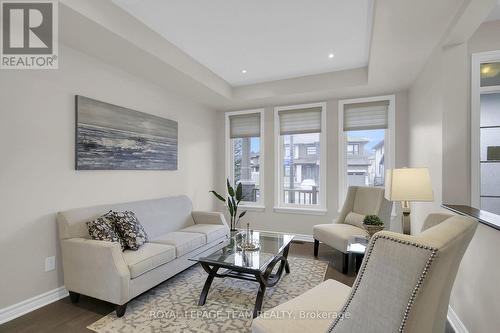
120, 310
316, 247
345, 263
74, 297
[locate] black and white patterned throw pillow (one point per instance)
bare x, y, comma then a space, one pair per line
129, 229
103, 228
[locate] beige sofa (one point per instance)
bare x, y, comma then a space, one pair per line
101, 270
404, 285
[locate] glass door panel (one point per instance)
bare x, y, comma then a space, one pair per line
490, 146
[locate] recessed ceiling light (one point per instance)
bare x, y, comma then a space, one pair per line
244, 71
331, 55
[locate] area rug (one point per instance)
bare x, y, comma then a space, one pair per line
172, 306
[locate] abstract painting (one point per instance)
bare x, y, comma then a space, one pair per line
110, 137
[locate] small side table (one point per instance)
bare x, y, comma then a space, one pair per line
356, 247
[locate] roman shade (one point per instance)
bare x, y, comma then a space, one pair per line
366, 116
244, 125
300, 121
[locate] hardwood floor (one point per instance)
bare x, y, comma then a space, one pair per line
63, 316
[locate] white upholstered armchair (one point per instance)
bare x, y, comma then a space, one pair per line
404, 285
359, 202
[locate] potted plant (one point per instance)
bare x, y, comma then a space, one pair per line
373, 224
232, 202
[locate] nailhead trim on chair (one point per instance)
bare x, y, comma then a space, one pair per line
361, 273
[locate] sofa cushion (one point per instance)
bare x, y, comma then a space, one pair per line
211, 231
309, 312
158, 216
336, 235
103, 228
184, 242
355, 219
148, 257
130, 229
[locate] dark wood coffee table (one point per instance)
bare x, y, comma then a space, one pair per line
257, 266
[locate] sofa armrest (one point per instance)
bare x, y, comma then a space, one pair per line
209, 218
95, 268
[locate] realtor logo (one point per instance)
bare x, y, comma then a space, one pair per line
29, 35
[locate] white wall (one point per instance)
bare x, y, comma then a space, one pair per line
300, 223
37, 175
439, 126
425, 133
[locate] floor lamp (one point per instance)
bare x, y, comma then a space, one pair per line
408, 185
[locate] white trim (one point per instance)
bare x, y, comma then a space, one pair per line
253, 208
298, 237
455, 322
229, 159
31, 304
278, 193
476, 90
277, 159
298, 210
489, 89
304, 238
389, 146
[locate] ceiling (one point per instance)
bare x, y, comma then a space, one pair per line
495, 14
270, 40
403, 35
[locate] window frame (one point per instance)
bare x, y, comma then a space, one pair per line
475, 122
389, 141
229, 168
279, 205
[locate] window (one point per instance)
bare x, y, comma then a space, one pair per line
485, 131
300, 176
352, 149
244, 154
365, 137
311, 149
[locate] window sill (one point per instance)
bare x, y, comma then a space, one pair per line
304, 211
253, 208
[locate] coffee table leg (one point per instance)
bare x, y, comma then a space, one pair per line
259, 300
211, 274
359, 260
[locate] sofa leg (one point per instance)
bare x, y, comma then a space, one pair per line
120, 310
74, 297
316, 247
345, 263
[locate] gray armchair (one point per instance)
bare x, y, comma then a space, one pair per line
404, 285
359, 202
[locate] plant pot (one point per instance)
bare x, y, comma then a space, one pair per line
372, 229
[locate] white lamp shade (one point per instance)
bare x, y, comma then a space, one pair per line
408, 184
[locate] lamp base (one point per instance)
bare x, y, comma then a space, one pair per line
406, 223
406, 218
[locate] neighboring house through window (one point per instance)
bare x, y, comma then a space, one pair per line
366, 129
244, 154
300, 177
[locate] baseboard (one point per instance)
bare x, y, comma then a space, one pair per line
31, 304
455, 322
298, 237
304, 238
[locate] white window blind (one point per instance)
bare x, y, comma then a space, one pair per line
244, 125
366, 116
300, 121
